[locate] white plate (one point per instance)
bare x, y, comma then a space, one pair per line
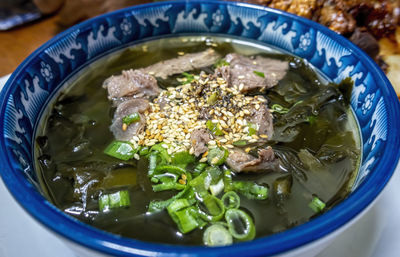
374, 235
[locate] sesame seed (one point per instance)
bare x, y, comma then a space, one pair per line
191, 151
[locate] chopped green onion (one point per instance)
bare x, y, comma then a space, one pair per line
216, 189
215, 173
157, 205
177, 205
114, 200
253, 128
168, 186
279, 109
251, 190
160, 148
240, 224
131, 118
217, 235
183, 158
152, 163
220, 63
240, 142
170, 168
194, 211
201, 183
215, 128
231, 200
217, 156
259, 73
200, 167
154, 180
316, 204
212, 99
186, 221
228, 181
215, 209
182, 215
120, 150
189, 77
168, 175
144, 150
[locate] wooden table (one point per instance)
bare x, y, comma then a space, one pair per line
17, 44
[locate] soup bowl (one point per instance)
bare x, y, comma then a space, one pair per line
41, 76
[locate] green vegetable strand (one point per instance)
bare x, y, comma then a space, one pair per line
279, 109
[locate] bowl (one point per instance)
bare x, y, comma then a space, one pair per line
38, 79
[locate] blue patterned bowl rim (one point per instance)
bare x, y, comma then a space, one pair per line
371, 186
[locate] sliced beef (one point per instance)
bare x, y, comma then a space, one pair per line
240, 161
128, 107
183, 63
254, 74
199, 138
132, 83
263, 119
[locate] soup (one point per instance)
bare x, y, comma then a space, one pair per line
198, 141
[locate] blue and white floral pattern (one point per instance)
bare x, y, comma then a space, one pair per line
42, 74
126, 27
45, 70
305, 41
217, 18
367, 105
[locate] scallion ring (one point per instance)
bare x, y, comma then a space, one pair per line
240, 225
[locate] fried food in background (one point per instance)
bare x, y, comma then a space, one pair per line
373, 25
